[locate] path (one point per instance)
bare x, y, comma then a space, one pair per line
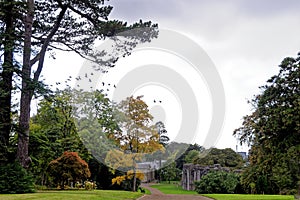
158, 195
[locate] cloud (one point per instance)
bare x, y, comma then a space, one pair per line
133, 10
245, 39
213, 19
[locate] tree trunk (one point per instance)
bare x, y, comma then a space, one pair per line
159, 176
23, 134
28, 85
6, 82
134, 180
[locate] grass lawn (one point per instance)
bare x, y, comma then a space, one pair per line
172, 188
249, 197
176, 189
71, 195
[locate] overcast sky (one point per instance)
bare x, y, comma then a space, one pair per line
245, 39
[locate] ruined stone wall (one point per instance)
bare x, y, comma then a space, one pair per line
192, 173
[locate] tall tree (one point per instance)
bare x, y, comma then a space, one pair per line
8, 45
163, 139
273, 131
45, 26
23, 133
162, 132
95, 121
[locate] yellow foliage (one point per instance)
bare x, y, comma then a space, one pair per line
116, 158
139, 175
129, 175
118, 179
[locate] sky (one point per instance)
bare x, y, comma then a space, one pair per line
246, 41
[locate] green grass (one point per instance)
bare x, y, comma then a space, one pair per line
147, 191
249, 197
70, 195
176, 189
173, 188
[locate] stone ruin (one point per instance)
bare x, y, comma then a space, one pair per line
192, 173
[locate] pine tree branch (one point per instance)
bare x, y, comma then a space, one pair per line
47, 42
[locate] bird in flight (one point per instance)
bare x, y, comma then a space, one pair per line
159, 101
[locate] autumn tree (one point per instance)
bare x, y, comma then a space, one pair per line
126, 180
273, 131
31, 29
68, 167
137, 136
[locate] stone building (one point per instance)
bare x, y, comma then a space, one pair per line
192, 173
148, 169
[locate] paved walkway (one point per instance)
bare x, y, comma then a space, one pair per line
158, 195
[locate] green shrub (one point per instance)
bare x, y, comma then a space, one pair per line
14, 179
217, 182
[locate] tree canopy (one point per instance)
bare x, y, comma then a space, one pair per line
273, 131
225, 157
137, 135
68, 167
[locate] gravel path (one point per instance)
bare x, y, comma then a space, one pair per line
158, 195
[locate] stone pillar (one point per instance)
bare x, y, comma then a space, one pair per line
187, 179
188, 176
198, 175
